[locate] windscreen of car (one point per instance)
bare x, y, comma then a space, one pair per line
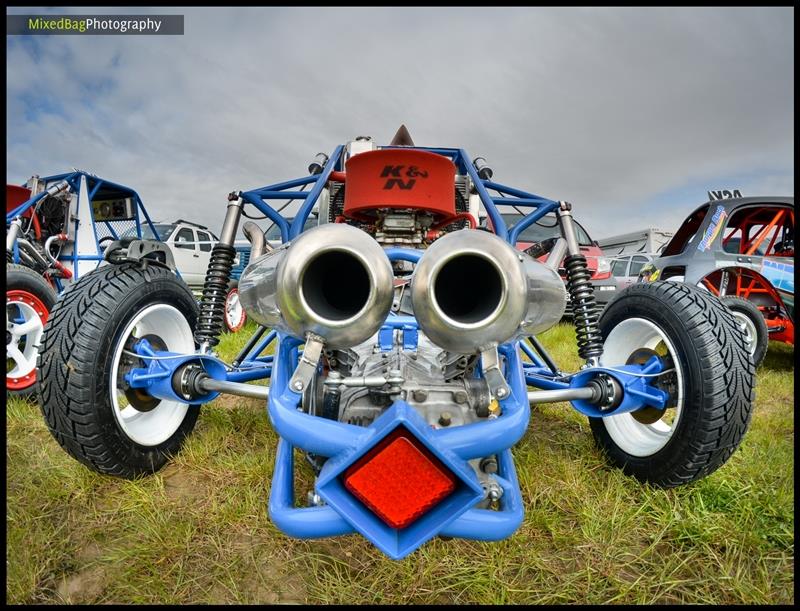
546, 227
163, 230
185, 239
204, 240
636, 265
619, 268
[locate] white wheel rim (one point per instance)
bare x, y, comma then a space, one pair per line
633, 437
748, 329
233, 310
159, 424
30, 330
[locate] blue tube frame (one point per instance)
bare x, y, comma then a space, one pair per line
93, 184
339, 440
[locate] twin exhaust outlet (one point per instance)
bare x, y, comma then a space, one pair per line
470, 291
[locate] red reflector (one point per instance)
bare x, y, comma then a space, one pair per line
399, 480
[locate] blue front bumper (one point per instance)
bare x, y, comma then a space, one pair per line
343, 444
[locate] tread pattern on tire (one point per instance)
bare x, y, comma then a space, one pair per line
762, 331
718, 412
75, 341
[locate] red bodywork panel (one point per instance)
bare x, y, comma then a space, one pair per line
16, 195
398, 178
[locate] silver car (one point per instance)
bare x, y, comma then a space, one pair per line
625, 268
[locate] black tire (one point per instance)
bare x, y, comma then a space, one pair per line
743, 307
75, 363
719, 379
23, 280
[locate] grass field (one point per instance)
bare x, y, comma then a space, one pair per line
198, 531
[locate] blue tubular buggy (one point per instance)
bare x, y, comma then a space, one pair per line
58, 228
404, 353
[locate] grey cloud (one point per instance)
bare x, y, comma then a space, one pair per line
609, 108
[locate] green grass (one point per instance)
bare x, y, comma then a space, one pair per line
198, 530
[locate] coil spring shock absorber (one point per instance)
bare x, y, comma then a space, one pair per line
584, 307
212, 304
581, 291
211, 321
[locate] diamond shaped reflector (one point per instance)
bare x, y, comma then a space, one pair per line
399, 479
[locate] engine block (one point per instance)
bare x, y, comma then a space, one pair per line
362, 382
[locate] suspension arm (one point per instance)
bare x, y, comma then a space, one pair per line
208, 384
590, 393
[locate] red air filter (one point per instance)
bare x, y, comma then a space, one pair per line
399, 479
399, 178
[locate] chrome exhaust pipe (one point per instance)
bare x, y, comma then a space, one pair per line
334, 281
472, 291
258, 242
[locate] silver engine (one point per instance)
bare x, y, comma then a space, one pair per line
362, 382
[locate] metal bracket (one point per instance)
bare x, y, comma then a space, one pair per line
307, 366
490, 365
410, 337
386, 338
397, 303
139, 251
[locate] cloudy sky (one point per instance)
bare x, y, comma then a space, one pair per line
633, 114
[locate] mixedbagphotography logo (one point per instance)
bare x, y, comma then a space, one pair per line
94, 24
